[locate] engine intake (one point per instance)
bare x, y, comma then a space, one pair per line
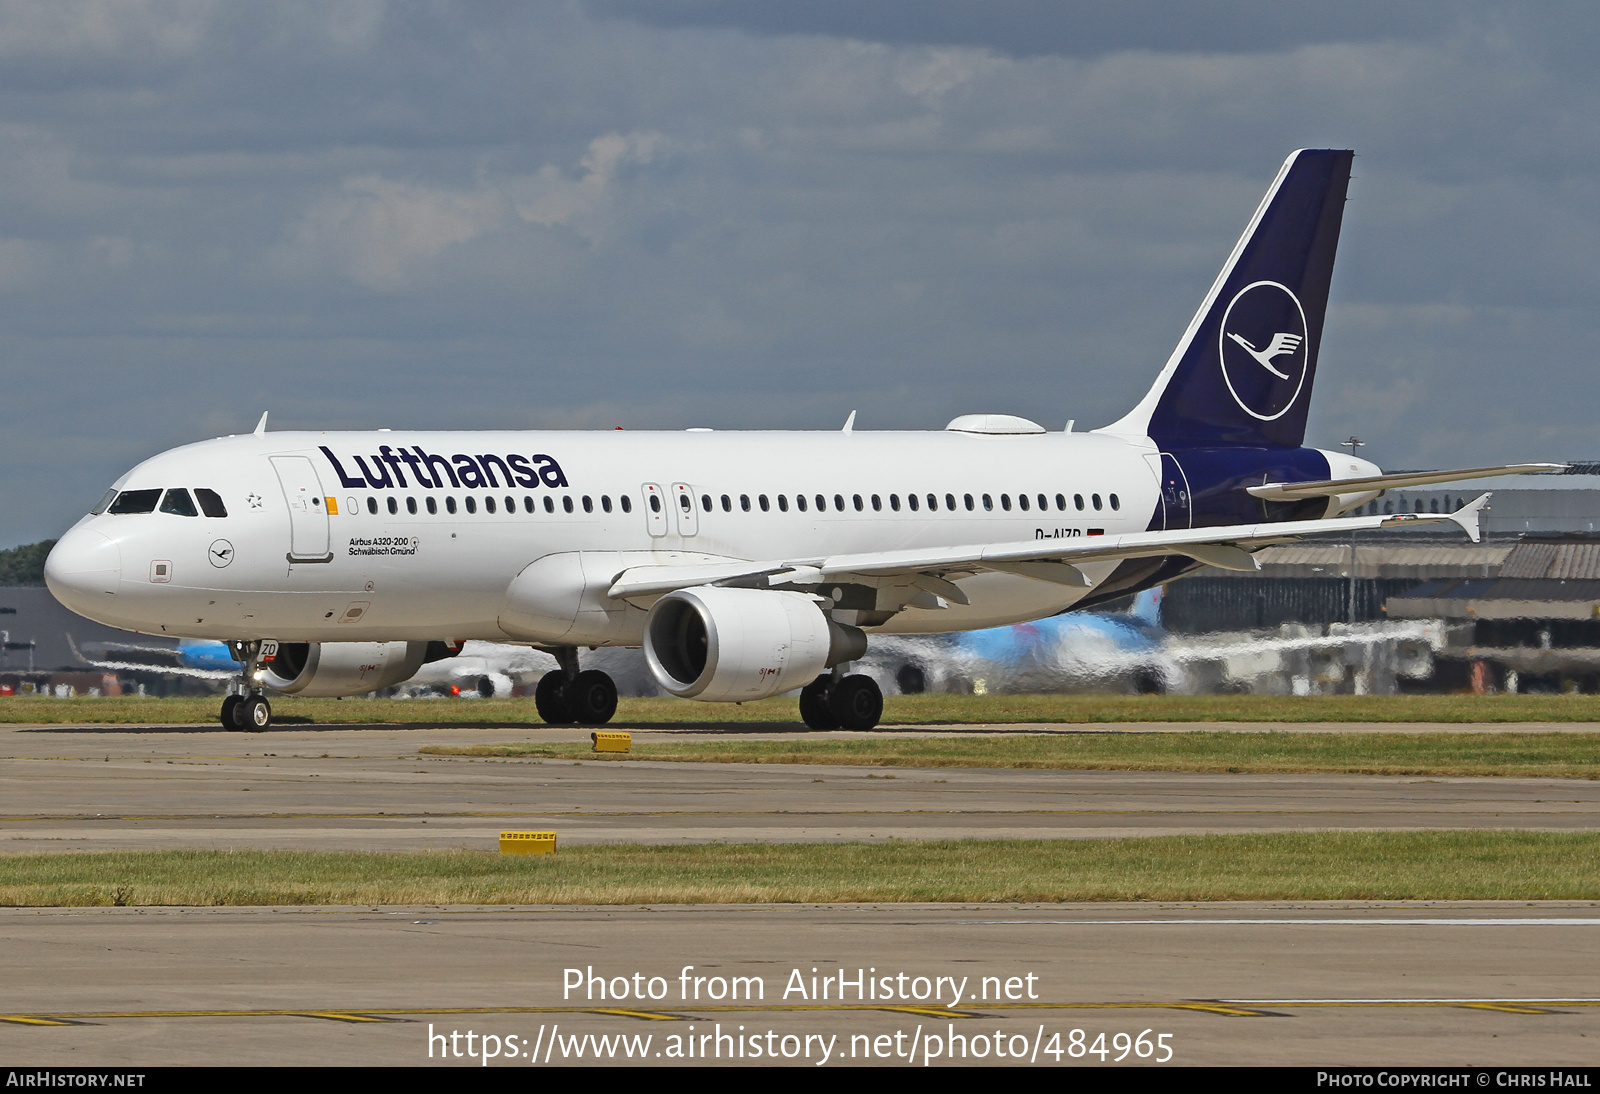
327, 669
736, 645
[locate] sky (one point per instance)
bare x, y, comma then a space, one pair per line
669, 213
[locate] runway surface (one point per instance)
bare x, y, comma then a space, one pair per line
326, 788
1459, 984
1351, 983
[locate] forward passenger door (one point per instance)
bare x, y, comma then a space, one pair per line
308, 512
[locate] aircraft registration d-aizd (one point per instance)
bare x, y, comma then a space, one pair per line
746, 564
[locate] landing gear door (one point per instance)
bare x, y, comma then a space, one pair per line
308, 512
683, 506
655, 509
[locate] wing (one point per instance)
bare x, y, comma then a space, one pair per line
930, 569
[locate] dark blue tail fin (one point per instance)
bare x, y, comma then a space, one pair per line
1242, 373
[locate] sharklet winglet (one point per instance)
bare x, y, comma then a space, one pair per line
261, 426
1469, 515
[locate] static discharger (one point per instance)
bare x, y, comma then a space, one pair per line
612, 742
527, 843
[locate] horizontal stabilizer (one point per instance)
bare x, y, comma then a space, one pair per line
1294, 491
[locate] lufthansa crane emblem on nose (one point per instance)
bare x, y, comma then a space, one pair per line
220, 553
1262, 348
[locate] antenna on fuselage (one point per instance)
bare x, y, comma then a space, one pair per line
850, 423
261, 426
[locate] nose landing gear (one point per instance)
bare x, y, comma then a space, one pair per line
566, 696
245, 707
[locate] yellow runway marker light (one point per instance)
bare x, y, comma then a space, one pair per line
527, 843
612, 742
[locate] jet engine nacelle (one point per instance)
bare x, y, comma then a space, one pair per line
326, 669
735, 645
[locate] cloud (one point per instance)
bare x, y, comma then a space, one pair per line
766, 215
553, 197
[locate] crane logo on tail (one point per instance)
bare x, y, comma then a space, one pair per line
1261, 347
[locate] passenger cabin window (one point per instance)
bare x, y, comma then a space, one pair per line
894, 502
967, 500
933, 503
800, 502
588, 503
761, 499
838, 503
655, 504
877, 504
988, 503
549, 504
433, 506
527, 503
1116, 503
135, 501
856, 500
450, 505
1077, 499
1022, 502
472, 504
1061, 501
727, 504
783, 503
744, 502
210, 502
372, 506
1094, 499
179, 504
950, 502
605, 502
625, 501
411, 506
911, 500
566, 503
104, 503
1005, 502
488, 505
1044, 503
705, 503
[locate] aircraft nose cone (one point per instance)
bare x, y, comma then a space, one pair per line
83, 568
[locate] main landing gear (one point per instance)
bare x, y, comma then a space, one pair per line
851, 702
245, 707
566, 696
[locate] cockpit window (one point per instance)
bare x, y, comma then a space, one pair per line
100, 506
135, 501
179, 504
210, 504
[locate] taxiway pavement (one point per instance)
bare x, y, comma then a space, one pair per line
1469, 985
369, 788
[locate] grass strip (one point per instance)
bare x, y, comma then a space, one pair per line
1473, 865
897, 710
1550, 755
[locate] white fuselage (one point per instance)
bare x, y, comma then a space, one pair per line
312, 562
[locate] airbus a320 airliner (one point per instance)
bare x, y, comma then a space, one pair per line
746, 564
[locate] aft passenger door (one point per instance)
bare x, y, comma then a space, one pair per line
1175, 501
308, 513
